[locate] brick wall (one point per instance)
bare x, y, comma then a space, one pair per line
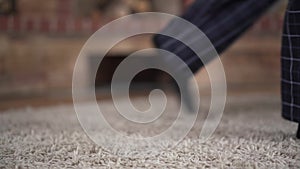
37, 63
38, 51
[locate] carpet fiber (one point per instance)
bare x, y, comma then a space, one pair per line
251, 135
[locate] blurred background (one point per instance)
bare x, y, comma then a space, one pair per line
40, 41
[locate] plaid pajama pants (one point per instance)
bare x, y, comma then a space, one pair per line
290, 63
223, 21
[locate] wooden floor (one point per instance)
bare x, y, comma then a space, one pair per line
57, 98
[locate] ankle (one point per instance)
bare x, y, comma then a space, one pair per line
298, 131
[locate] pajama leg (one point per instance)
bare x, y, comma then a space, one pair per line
290, 63
222, 21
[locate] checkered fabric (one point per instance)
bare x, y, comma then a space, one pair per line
290, 63
223, 21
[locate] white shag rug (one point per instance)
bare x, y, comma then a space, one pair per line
252, 134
